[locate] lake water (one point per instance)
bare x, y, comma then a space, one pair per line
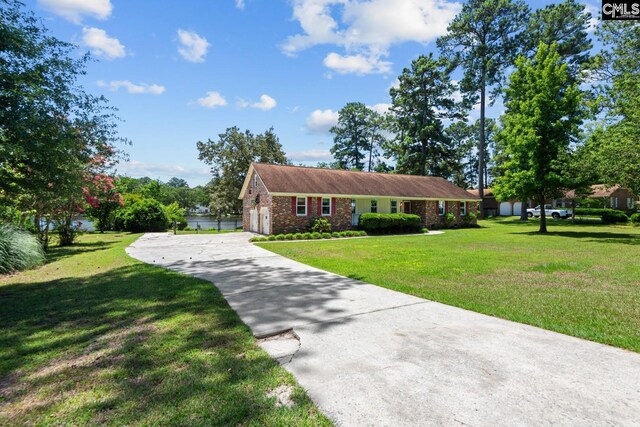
205, 222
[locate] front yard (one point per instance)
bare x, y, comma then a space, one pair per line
97, 338
581, 280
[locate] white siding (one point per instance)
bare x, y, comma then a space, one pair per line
364, 205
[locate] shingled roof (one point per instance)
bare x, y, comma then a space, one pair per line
597, 190
288, 180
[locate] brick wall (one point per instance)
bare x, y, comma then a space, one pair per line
252, 194
432, 219
284, 221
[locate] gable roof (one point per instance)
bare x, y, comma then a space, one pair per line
293, 180
488, 192
597, 190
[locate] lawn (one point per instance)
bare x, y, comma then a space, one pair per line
581, 280
95, 337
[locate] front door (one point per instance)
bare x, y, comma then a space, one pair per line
406, 206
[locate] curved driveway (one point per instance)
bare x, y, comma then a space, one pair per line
371, 356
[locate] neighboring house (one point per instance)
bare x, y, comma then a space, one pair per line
489, 203
200, 210
614, 197
284, 199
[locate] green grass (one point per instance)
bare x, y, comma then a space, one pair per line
97, 338
579, 279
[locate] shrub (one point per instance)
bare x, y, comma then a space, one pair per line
361, 233
316, 235
635, 218
326, 235
19, 250
335, 234
614, 217
143, 215
271, 238
288, 236
306, 236
449, 219
389, 222
320, 225
279, 236
424, 230
593, 211
297, 236
175, 213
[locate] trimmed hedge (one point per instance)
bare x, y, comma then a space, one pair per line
309, 236
609, 216
389, 222
635, 218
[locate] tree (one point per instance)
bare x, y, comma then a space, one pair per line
177, 183
230, 158
420, 103
464, 138
482, 40
53, 134
613, 149
351, 139
565, 24
542, 120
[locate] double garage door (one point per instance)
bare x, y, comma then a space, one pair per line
510, 209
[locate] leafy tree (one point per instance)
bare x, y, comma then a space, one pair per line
230, 158
464, 137
53, 134
420, 103
613, 149
482, 40
351, 140
565, 24
177, 183
542, 120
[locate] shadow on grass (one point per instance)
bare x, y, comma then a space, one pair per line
599, 237
57, 253
134, 345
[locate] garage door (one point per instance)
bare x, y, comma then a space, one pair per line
517, 208
505, 209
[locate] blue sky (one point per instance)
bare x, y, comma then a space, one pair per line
182, 72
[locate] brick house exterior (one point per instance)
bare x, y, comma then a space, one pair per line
285, 199
614, 197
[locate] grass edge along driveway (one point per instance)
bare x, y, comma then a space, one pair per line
580, 280
96, 337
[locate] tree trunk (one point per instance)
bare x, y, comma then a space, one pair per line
573, 210
543, 217
523, 211
481, 148
423, 158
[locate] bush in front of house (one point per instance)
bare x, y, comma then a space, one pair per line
19, 250
615, 217
320, 225
385, 223
309, 236
635, 218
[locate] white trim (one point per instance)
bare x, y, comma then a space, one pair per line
463, 208
306, 208
371, 205
444, 207
391, 206
371, 196
322, 199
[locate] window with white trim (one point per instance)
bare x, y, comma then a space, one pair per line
463, 208
394, 206
440, 207
326, 206
374, 206
301, 206
630, 203
614, 203
353, 206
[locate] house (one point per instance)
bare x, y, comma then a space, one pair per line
614, 197
284, 199
489, 203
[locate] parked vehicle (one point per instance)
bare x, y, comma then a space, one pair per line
549, 211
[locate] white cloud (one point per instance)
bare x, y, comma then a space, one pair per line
138, 169
101, 44
212, 100
595, 14
310, 156
266, 103
74, 10
153, 89
320, 121
367, 28
240, 4
357, 64
193, 47
380, 108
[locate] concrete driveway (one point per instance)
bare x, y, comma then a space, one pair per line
371, 356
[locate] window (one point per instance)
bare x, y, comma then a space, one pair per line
326, 206
255, 180
630, 203
374, 206
463, 208
440, 207
614, 203
394, 206
301, 206
353, 206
